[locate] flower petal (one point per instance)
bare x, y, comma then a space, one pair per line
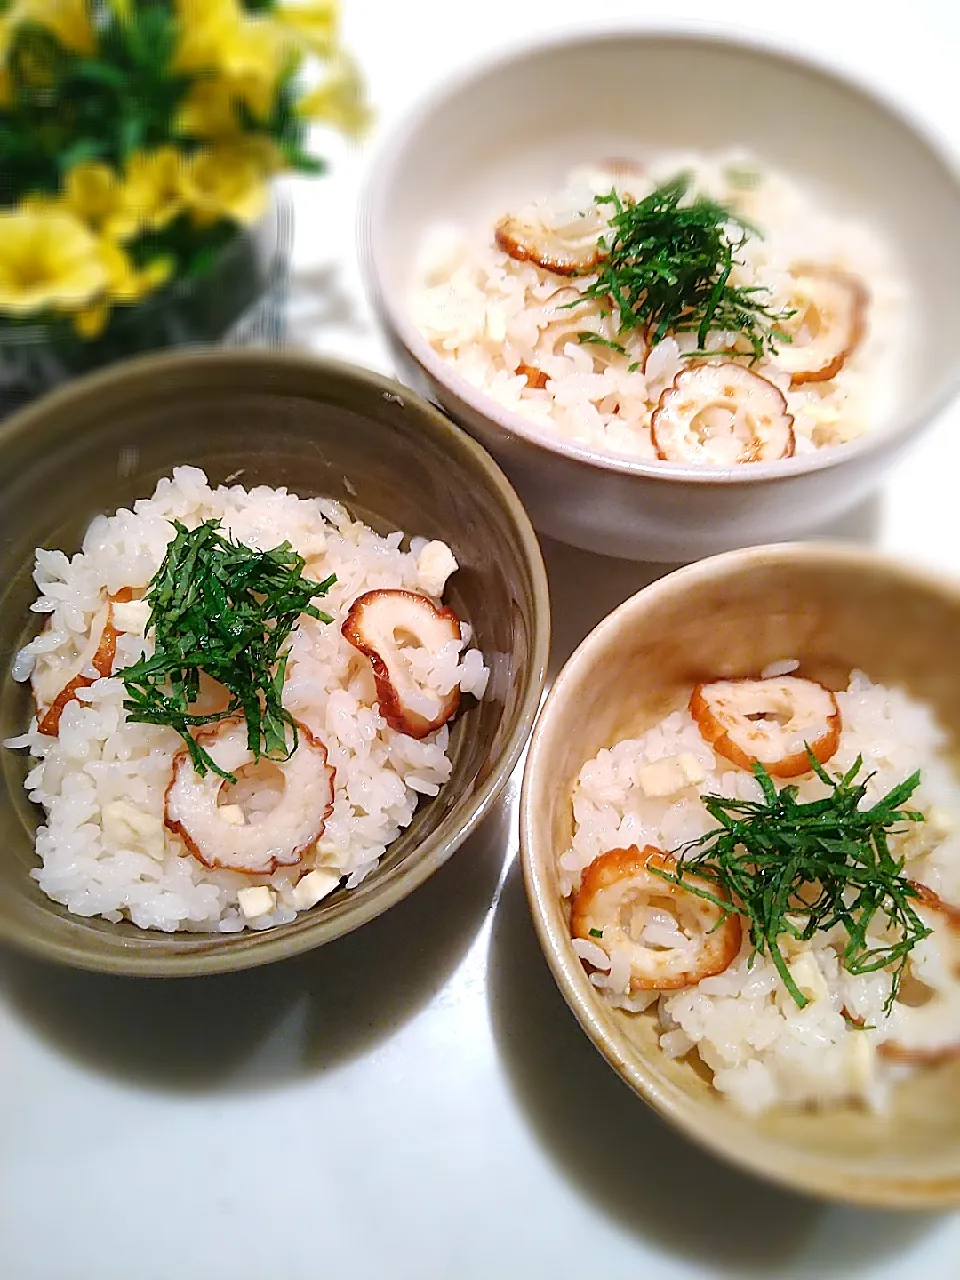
228, 182
339, 99
48, 261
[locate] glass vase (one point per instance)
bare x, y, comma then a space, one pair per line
239, 300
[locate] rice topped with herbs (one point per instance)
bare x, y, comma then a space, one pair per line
581, 311
236, 801
799, 933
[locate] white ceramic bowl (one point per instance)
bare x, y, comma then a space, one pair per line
513, 129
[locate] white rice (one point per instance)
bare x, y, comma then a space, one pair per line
489, 314
762, 1048
104, 847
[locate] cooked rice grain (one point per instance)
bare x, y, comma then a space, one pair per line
493, 317
103, 846
762, 1049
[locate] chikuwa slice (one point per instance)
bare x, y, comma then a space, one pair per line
55, 683
571, 248
830, 309
381, 624
534, 375
722, 415
219, 834
931, 901
926, 1018
771, 722
673, 937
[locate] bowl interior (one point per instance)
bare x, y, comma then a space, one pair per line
833, 609
319, 429
514, 130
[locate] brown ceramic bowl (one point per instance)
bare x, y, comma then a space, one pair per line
317, 427
833, 608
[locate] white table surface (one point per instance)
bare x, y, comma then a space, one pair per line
416, 1101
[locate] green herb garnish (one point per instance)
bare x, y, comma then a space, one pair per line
666, 265
588, 337
596, 933
224, 609
855, 1024
798, 869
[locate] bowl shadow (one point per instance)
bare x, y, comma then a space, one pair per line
629, 1163
584, 587
265, 1027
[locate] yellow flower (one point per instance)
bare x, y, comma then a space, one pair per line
94, 193
314, 24
152, 194
91, 321
68, 20
148, 195
209, 111
250, 53
124, 284
228, 182
48, 261
338, 100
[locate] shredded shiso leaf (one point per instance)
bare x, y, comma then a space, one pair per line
796, 869
665, 266
226, 610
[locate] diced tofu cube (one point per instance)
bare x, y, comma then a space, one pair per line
435, 564
808, 976
860, 1062
672, 774
692, 767
496, 323
258, 901
128, 825
315, 885
312, 544
131, 616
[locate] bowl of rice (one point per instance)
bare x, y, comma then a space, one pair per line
274, 633
679, 331
740, 833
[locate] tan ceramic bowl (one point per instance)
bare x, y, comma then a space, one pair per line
513, 129
833, 608
318, 427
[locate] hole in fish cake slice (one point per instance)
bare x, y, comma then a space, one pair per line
673, 937
380, 624
218, 830
770, 722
